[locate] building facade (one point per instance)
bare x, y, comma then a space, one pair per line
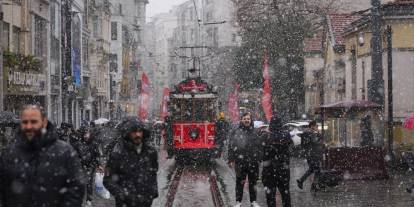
126, 56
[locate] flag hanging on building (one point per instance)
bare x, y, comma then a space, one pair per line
164, 104
267, 97
233, 105
144, 97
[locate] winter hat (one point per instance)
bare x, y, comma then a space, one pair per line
275, 123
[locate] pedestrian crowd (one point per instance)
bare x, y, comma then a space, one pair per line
44, 166
249, 147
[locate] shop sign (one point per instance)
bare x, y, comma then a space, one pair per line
20, 83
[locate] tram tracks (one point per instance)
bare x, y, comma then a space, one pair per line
186, 183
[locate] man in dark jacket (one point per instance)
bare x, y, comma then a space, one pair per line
131, 171
313, 145
276, 160
244, 152
38, 170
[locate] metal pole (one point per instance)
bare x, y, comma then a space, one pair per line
390, 96
376, 90
1, 59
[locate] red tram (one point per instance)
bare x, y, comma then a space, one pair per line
193, 107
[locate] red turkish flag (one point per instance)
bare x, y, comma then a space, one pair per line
144, 97
164, 104
267, 97
233, 105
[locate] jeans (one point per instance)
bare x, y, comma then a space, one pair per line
313, 169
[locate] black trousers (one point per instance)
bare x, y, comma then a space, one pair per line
278, 179
251, 171
90, 185
314, 168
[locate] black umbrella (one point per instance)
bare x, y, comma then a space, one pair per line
8, 118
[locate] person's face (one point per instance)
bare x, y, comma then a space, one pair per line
32, 123
136, 137
246, 120
87, 136
314, 127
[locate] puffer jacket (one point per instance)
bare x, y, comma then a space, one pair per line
45, 172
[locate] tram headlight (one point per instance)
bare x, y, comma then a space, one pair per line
194, 133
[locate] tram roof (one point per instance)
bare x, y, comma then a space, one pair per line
188, 96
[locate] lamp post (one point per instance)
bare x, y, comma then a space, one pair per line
376, 85
1, 58
388, 33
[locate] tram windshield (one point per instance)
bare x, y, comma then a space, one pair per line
193, 110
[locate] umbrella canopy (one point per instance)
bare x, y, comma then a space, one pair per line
101, 121
8, 118
409, 122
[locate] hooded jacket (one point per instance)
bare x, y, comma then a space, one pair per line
245, 144
276, 158
132, 176
45, 172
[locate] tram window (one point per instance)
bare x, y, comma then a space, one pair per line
193, 110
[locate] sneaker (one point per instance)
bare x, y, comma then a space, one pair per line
238, 204
255, 204
300, 184
88, 204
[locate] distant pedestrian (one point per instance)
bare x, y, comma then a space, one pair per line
88, 150
244, 156
276, 159
222, 129
366, 131
313, 145
38, 169
131, 171
169, 136
66, 132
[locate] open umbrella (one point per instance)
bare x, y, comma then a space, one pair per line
409, 122
101, 121
8, 118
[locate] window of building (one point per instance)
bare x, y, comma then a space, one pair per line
233, 37
40, 36
6, 36
16, 39
215, 37
86, 12
85, 52
114, 30
120, 9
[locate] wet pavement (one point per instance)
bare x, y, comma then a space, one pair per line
375, 193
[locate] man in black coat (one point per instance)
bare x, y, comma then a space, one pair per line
131, 171
244, 155
38, 170
276, 160
313, 145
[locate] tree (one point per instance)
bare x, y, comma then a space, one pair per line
277, 27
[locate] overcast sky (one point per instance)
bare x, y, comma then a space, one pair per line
160, 6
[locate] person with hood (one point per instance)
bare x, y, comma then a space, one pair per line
131, 171
244, 156
276, 160
313, 145
38, 169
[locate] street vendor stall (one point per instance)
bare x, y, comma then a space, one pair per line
355, 139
